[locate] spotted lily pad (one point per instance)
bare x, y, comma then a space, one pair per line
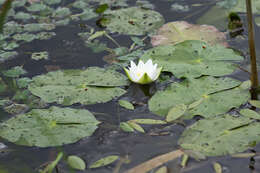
226, 135
218, 96
176, 32
49, 127
193, 58
93, 85
132, 21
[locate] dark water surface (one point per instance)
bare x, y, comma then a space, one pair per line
67, 51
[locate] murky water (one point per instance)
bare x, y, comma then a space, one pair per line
67, 51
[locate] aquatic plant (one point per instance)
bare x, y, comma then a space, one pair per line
143, 73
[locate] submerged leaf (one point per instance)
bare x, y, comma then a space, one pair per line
176, 112
176, 32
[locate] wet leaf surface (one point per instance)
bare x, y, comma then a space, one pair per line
226, 135
93, 85
132, 21
49, 127
179, 31
104, 161
213, 91
193, 59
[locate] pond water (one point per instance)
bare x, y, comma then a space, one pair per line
67, 50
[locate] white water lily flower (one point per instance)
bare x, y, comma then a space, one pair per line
143, 73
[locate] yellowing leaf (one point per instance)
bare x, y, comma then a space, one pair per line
104, 161
136, 126
148, 121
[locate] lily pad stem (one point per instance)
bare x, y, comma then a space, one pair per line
251, 41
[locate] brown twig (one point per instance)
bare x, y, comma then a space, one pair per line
251, 42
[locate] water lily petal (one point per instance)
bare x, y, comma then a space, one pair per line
143, 73
145, 79
158, 72
130, 75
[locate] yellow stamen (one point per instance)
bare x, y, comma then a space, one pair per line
139, 74
205, 96
198, 60
53, 124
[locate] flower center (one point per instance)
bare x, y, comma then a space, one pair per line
139, 74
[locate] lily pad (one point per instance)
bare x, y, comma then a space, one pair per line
40, 55
132, 21
250, 114
49, 127
217, 15
176, 32
93, 85
4, 56
219, 96
226, 135
14, 72
193, 58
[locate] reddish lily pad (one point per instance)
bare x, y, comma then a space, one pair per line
179, 31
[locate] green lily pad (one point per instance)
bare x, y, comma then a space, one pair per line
250, 114
37, 7
226, 135
51, 2
193, 58
45, 35
93, 85
24, 37
4, 56
179, 31
40, 55
49, 127
219, 96
23, 82
35, 27
132, 21
22, 16
14, 72
61, 12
